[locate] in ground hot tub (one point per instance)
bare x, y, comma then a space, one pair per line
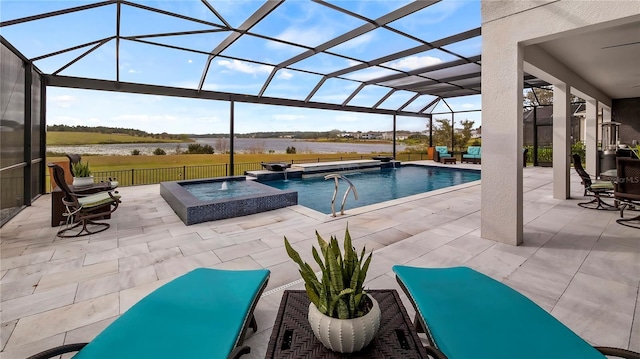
211, 199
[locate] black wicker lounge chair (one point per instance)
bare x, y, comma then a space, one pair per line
627, 190
466, 314
597, 189
275, 166
202, 314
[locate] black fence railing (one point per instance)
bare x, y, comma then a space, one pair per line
144, 176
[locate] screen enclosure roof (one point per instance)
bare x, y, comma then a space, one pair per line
367, 56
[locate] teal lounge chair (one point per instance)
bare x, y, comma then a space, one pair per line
473, 154
467, 314
202, 314
441, 152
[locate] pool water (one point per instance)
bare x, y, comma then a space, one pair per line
374, 186
209, 191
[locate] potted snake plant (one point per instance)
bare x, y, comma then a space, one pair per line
81, 174
342, 315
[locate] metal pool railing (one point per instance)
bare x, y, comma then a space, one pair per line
144, 176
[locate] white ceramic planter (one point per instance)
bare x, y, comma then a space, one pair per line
82, 181
345, 335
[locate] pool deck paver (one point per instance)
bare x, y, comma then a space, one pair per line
576, 263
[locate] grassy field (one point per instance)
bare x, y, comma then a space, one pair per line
114, 163
136, 170
92, 138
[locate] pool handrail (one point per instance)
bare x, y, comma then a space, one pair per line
336, 177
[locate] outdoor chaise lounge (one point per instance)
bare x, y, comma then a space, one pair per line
466, 314
202, 314
473, 154
597, 189
275, 166
441, 152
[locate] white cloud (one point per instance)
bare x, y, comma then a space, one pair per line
468, 105
287, 117
370, 74
65, 120
346, 118
313, 36
359, 41
63, 101
132, 71
190, 61
353, 62
245, 67
414, 62
285, 75
143, 118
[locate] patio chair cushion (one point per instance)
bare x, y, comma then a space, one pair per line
603, 185
198, 315
470, 315
97, 199
443, 151
473, 152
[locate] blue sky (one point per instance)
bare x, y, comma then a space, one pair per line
298, 21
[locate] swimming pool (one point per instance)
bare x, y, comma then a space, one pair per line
374, 186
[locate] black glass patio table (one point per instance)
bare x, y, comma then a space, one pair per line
292, 336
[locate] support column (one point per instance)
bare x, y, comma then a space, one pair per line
394, 137
231, 137
561, 141
28, 134
502, 78
591, 140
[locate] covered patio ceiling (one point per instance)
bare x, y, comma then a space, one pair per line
412, 65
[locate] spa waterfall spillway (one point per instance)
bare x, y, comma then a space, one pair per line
211, 199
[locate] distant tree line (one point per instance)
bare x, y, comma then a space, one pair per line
112, 130
282, 134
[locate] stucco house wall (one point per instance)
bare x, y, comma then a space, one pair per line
510, 31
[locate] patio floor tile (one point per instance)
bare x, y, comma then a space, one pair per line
578, 264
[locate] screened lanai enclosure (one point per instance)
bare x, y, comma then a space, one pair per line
420, 60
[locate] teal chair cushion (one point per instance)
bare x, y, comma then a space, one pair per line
471, 315
474, 150
198, 315
442, 151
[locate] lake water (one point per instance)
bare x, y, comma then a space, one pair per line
242, 145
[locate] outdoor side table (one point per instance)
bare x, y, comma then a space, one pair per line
292, 336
